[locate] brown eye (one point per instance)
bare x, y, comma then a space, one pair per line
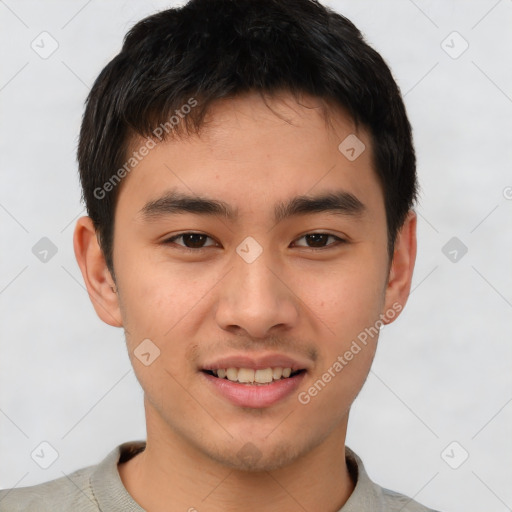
190, 240
194, 240
319, 240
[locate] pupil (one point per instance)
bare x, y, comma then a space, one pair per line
317, 237
194, 238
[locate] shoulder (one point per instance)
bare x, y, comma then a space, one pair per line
92, 488
394, 501
71, 492
371, 497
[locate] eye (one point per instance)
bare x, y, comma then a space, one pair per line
191, 241
318, 240
195, 242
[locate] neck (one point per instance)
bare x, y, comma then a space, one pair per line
171, 475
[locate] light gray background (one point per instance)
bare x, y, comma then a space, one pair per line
443, 370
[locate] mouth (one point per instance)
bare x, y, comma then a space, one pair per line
251, 388
252, 377
254, 380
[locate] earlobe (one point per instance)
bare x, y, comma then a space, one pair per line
98, 280
402, 267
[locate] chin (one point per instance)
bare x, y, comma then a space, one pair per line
260, 455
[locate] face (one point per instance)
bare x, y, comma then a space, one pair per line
283, 272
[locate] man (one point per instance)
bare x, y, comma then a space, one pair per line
249, 175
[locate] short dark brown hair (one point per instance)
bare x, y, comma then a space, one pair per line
214, 49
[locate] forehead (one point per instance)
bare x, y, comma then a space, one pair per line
251, 153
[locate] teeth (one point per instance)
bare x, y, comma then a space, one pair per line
245, 375
232, 374
250, 376
263, 376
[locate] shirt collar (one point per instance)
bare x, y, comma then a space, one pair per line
111, 494
107, 485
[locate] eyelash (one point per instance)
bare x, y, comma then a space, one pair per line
171, 240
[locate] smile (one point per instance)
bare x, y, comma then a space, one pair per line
256, 389
255, 377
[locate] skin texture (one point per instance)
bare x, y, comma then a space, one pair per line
293, 300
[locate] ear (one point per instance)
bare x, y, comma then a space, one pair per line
401, 270
98, 280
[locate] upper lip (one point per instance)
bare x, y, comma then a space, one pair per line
257, 362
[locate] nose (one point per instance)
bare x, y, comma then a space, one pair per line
256, 298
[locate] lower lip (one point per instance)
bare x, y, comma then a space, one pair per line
255, 396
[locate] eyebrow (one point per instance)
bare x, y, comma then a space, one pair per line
338, 202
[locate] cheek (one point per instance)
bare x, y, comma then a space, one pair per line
156, 296
346, 299
157, 307
349, 310
162, 303
328, 396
